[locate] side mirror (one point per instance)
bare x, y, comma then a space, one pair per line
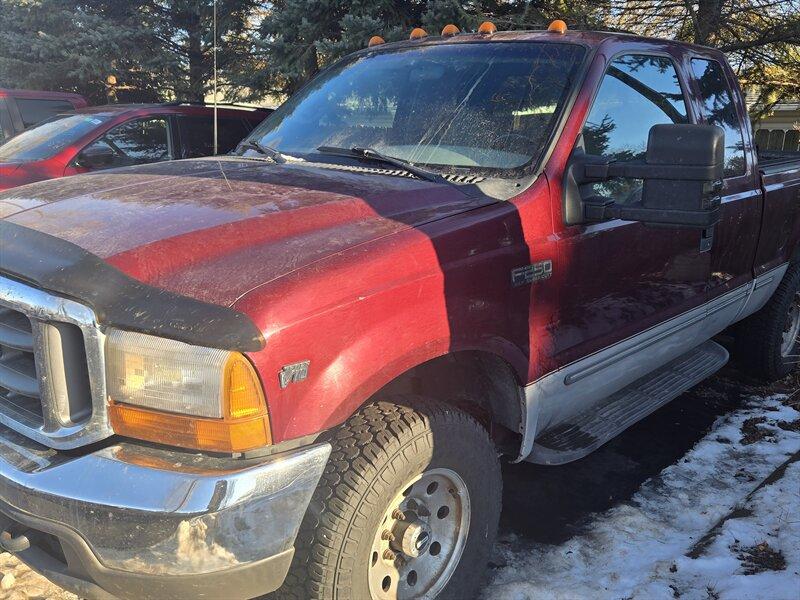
95, 157
682, 173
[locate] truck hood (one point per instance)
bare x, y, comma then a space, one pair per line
213, 229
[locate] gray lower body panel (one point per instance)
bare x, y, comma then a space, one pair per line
588, 431
561, 396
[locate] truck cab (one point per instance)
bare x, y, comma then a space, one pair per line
20, 109
297, 367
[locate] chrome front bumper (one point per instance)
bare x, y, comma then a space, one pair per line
134, 520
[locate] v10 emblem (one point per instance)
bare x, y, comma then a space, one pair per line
531, 273
293, 373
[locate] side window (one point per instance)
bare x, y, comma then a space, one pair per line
719, 109
6, 127
230, 133
33, 111
637, 92
133, 143
197, 134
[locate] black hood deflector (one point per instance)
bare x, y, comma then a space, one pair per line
118, 300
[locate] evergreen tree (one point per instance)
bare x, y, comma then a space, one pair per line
69, 46
155, 49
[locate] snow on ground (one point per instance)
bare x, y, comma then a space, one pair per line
643, 548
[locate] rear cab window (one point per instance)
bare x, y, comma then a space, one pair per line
719, 109
34, 111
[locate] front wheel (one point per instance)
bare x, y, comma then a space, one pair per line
407, 508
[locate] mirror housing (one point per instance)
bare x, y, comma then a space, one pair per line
95, 157
682, 173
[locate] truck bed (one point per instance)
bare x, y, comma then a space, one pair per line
772, 162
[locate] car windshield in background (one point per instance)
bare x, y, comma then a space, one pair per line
481, 106
49, 137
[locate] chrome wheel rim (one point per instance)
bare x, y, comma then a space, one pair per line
791, 330
421, 537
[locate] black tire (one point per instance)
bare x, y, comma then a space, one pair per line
760, 336
374, 453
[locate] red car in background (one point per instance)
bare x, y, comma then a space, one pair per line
105, 137
20, 109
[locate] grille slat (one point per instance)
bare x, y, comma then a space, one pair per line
17, 361
25, 409
16, 376
15, 330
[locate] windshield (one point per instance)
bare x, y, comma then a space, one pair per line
49, 137
484, 106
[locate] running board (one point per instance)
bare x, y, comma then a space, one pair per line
588, 431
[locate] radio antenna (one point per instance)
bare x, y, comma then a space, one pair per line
215, 78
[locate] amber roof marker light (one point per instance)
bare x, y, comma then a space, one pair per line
450, 30
487, 28
557, 26
375, 40
418, 33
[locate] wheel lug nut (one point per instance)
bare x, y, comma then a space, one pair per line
387, 535
389, 555
398, 515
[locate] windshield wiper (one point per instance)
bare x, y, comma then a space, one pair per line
375, 156
262, 149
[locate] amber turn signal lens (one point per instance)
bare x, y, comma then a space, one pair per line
213, 435
375, 40
557, 26
450, 30
243, 394
244, 425
418, 33
487, 28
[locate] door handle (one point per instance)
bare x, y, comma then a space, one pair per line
706, 239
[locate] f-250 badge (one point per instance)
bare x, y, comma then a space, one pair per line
531, 273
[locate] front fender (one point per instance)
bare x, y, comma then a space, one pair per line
375, 312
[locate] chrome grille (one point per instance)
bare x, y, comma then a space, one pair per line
19, 385
52, 373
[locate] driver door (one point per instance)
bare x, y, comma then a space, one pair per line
623, 278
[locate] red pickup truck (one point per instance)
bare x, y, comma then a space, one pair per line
297, 367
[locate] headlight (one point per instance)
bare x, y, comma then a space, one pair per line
174, 393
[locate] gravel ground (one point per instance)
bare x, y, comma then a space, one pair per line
20, 583
550, 509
